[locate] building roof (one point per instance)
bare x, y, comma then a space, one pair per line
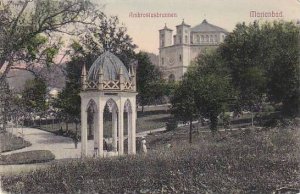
166, 28
110, 65
183, 24
207, 27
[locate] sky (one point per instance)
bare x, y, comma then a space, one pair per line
223, 13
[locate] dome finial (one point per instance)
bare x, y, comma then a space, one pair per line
166, 26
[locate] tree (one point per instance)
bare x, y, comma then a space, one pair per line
204, 91
283, 69
29, 30
106, 35
4, 104
68, 100
92, 43
183, 103
263, 60
212, 87
148, 80
34, 95
242, 52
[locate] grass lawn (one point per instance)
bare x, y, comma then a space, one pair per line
9, 142
150, 119
28, 157
248, 161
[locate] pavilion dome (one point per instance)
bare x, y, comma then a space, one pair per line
111, 66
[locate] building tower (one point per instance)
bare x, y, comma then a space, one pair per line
183, 33
165, 37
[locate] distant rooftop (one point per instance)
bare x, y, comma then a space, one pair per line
207, 27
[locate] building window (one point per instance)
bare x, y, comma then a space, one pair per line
202, 38
211, 38
216, 38
198, 38
180, 58
179, 39
186, 39
162, 43
162, 60
206, 38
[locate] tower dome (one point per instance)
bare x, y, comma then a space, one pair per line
111, 67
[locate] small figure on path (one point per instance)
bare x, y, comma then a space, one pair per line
75, 139
105, 146
96, 153
144, 147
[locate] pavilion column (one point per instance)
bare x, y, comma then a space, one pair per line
115, 130
121, 131
96, 132
129, 130
100, 132
83, 130
133, 129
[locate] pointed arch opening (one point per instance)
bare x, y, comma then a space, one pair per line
91, 110
110, 123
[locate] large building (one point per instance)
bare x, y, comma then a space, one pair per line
177, 51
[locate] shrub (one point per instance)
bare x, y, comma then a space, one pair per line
172, 124
29, 157
268, 108
9, 142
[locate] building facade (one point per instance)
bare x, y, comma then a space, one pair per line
176, 52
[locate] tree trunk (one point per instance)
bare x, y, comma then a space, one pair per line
67, 126
252, 119
52, 125
191, 130
214, 124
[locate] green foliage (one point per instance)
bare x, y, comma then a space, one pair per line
30, 30
263, 59
172, 124
149, 84
5, 103
28, 157
34, 95
33, 45
107, 35
203, 167
205, 90
9, 142
68, 101
225, 120
183, 101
